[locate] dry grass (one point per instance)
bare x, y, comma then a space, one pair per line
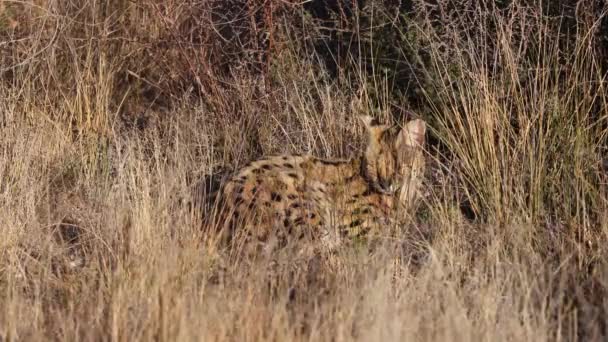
110, 113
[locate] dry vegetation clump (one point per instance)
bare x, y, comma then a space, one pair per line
110, 114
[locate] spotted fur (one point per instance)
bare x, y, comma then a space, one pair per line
292, 197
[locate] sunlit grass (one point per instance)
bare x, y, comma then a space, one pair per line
508, 242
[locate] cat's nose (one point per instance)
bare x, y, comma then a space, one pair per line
386, 185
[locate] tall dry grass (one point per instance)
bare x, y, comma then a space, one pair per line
111, 112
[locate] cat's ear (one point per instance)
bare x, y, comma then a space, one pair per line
372, 127
411, 135
366, 120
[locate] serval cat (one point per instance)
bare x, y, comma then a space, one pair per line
279, 199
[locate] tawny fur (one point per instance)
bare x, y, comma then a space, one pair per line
291, 197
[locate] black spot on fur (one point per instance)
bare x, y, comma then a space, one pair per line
293, 175
299, 221
295, 205
288, 165
254, 190
359, 211
355, 223
292, 196
368, 192
288, 213
267, 204
312, 215
329, 162
275, 197
286, 223
239, 190
266, 167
